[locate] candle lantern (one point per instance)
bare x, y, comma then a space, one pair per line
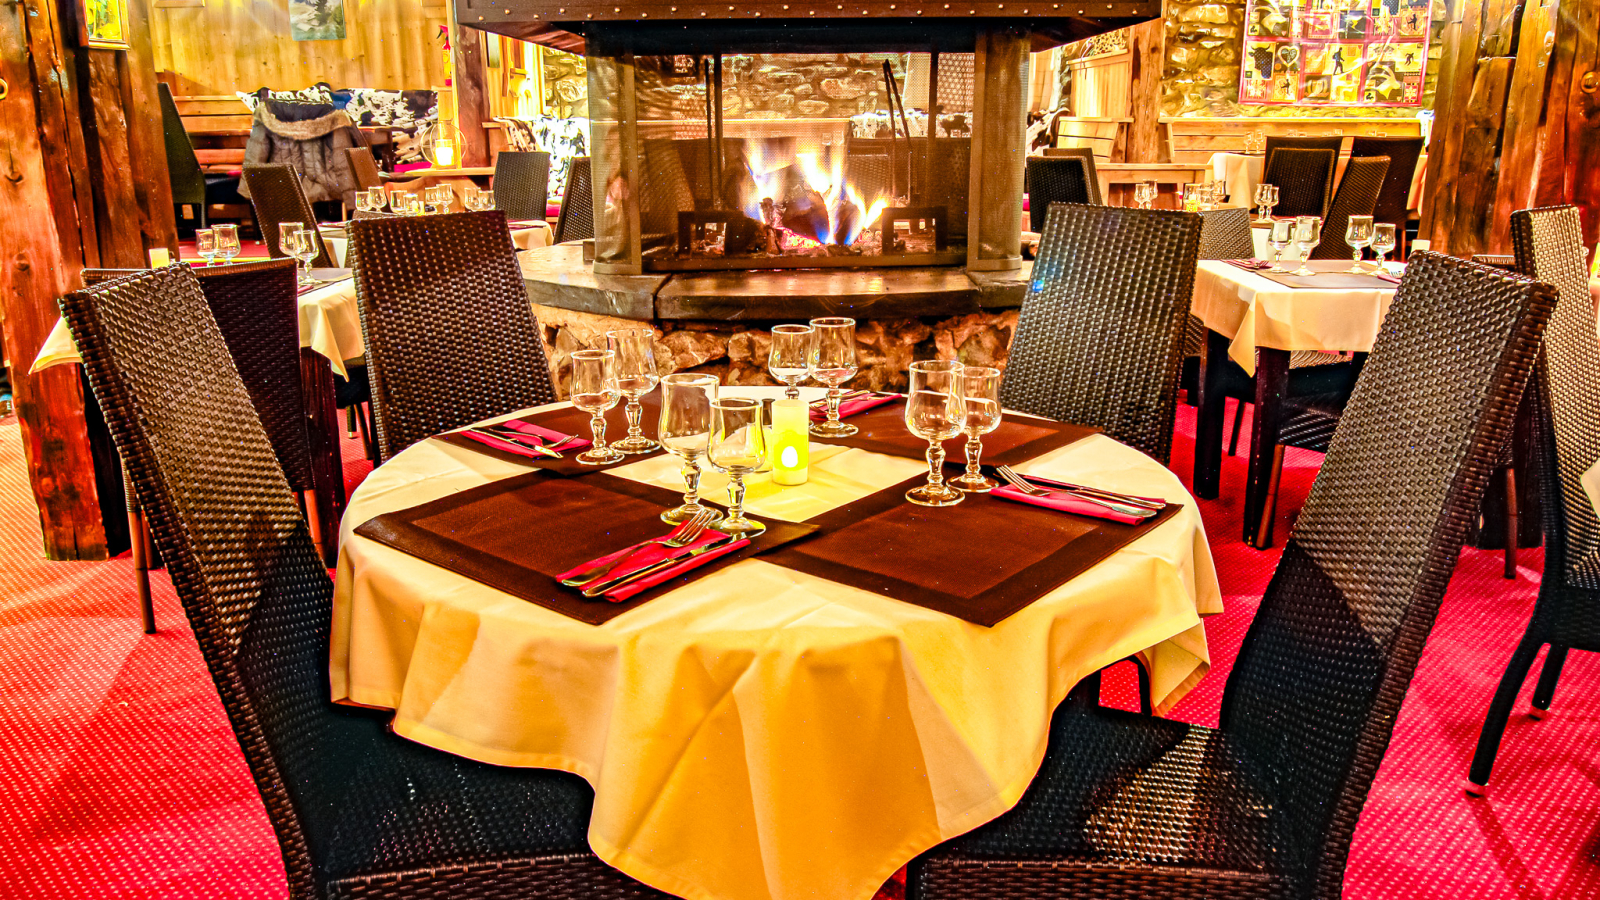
790, 449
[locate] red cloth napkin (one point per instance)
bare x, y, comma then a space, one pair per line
851, 407
1065, 502
549, 436
651, 555
1387, 277
1251, 264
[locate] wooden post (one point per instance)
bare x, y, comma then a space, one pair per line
466, 45
1147, 47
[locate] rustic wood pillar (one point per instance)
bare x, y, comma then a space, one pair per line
471, 71
1147, 49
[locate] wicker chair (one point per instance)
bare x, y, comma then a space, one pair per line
1091, 170
1129, 806
1100, 337
1357, 196
1333, 143
1224, 234
522, 184
1051, 180
276, 194
358, 812
450, 336
1304, 178
1549, 246
575, 221
1395, 196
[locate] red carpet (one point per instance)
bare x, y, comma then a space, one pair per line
119, 777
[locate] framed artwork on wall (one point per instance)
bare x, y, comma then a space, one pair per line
316, 20
105, 23
1335, 52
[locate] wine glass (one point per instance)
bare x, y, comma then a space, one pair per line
307, 246
980, 391
936, 411
363, 202
227, 241
1281, 237
378, 198
738, 446
444, 199
471, 201
205, 243
1383, 240
287, 236
1144, 193
415, 205
1307, 235
1219, 193
636, 376
1193, 195
1358, 234
1263, 199
833, 362
594, 390
486, 200
685, 432
789, 360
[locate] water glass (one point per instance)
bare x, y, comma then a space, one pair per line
636, 376
833, 362
1383, 240
1358, 234
936, 411
789, 360
1281, 237
685, 432
738, 446
205, 243
363, 202
980, 392
227, 237
486, 200
1145, 193
1307, 235
1194, 197
1219, 193
594, 390
377, 198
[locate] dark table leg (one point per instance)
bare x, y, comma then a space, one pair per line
322, 432
1208, 427
1272, 379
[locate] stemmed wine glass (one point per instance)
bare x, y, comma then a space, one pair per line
363, 202
1219, 193
486, 200
1144, 193
227, 237
205, 243
1307, 235
685, 432
833, 362
307, 246
789, 360
290, 239
980, 391
594, 390
1382, 241
1266, 198
738, 446
1193, 197
636, 376
444, 198
935, 412
1358, 234
377, 198
1281, 237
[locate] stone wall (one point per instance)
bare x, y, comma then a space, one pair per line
774, 86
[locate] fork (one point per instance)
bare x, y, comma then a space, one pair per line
679, 537
1152, 503
500, 428
512, 436
1022, 485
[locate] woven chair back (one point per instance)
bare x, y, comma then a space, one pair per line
522, 183
277, 197
1357, 196
1061, 179
183, 167
1092, 171
1314, 693
450, 336
1100, 337
575, 222
1333, 144
1549, 247
1394, 197
364, 166
1225, 234
1304, 178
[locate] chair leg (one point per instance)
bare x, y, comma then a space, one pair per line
1511, 523
139, 549
1238, 419
1494, 722
1545, 690
308, 499
1269, 510
350, 414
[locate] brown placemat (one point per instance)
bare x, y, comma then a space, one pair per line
1332, 274
980, 560
1018, 439
516, 535
571, 420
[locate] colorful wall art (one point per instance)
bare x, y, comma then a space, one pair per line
1335, 52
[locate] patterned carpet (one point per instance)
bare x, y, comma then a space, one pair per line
119, 777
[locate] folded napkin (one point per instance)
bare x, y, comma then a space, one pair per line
1387, 277
653, 554
1065, 502
851, 407
1251, 264
525, 223
549, 436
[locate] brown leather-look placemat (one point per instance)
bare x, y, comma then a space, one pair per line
571, 420
516, 535
1017, 440
1332, 275
980, 560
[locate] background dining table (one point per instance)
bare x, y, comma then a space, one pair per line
764, 733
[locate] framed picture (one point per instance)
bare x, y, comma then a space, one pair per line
105, 24
316, 20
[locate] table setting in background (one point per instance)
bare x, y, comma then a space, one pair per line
435, 199
646, 585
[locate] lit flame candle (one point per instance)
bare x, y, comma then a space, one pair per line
444, 152
790, 450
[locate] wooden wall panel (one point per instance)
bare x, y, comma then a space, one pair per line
230, 45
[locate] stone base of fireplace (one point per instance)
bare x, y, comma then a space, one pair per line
719, 322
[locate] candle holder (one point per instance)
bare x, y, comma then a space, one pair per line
790, 449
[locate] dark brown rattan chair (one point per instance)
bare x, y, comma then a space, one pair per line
1498, 260
450, 335
364, 166
522, 184
1050, 180
277, 197
1357, 196
359, 813
1100, 337
1091, 170
1224, 234
1130, 806
1304, 178
1395, 196
1331, 143
575, 221
1566, 406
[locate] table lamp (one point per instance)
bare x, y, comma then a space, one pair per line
790, 449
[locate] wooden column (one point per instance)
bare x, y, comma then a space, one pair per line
472, 104
1147, 47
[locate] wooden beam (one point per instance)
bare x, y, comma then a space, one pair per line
1147, 46
147, 147
466, 45
1463, 23
1474, 184
105, 127
1519, 148
1580, 22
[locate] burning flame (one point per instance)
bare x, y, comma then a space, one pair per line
766, 171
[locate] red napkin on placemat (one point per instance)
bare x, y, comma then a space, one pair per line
549, 436
1065, 502
649, 556
851, 407
1387, 277
1251, 264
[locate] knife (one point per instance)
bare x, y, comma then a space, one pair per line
612, 583
1155, 503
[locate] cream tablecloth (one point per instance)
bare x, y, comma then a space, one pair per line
762, 733
329, 324
1253, 311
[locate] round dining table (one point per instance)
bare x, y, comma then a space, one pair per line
763, 733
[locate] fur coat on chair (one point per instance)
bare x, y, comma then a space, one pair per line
312, 138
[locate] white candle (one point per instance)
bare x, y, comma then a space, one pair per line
790, 449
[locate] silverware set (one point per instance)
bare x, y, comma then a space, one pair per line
523, 439
1122, 504
595, 578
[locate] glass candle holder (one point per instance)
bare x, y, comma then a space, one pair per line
790, 450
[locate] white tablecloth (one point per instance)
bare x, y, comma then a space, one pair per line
762, 733
1242, 172
329, 324
1253, 311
